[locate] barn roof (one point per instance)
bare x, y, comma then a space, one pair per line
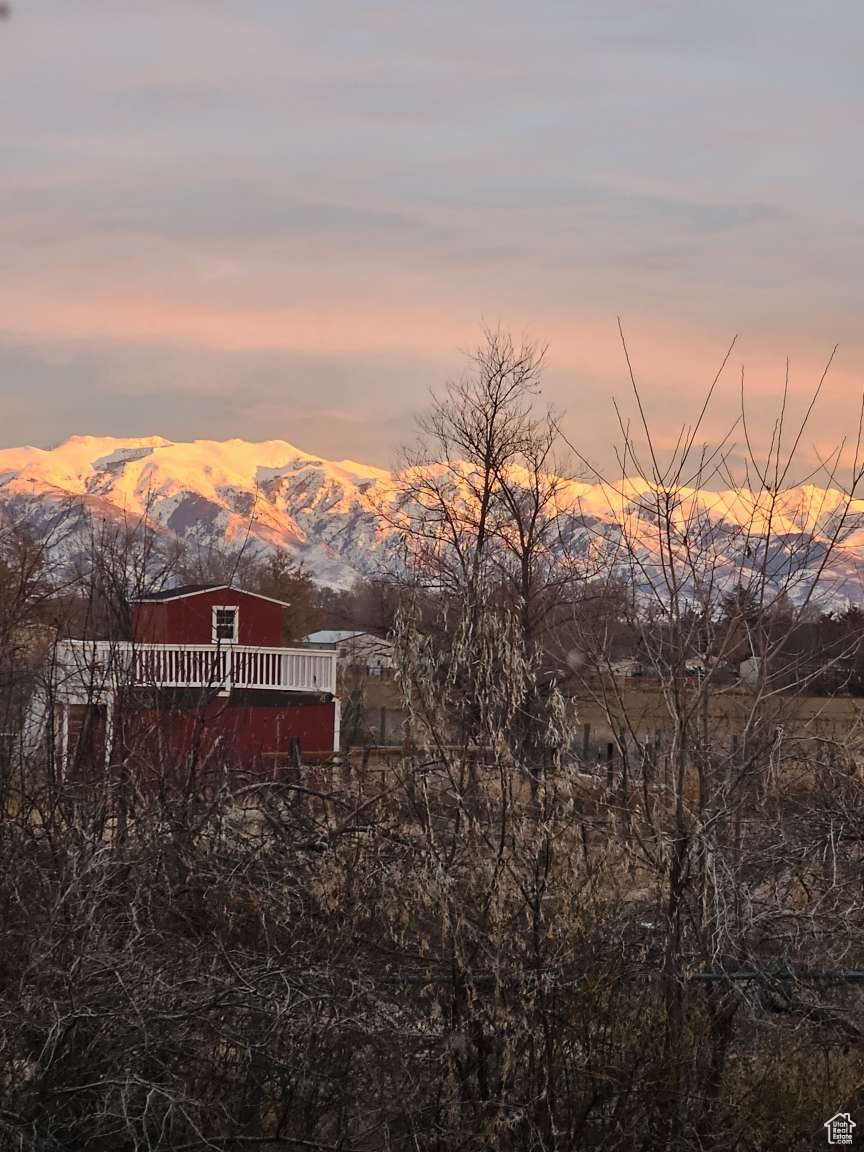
331, 636
184, 590
177, 593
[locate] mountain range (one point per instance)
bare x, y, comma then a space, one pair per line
327, 513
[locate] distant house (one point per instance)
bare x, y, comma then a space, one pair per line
204, 674
373, 707
357, 650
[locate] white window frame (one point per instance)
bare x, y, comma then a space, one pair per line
214, 628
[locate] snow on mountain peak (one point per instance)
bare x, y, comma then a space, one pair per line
215, 490
326, 513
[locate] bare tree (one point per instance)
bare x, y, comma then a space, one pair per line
720, 790
480, 518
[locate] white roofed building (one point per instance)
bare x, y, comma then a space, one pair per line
356, 649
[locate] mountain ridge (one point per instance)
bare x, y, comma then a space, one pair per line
327, 513
213, 490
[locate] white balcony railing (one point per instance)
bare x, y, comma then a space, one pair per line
87, 667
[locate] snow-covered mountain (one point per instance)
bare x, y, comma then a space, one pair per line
268, 494
328, 514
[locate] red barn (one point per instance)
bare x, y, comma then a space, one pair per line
205, 679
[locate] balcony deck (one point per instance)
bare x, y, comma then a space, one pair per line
85, 668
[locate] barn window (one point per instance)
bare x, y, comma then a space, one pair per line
226, 624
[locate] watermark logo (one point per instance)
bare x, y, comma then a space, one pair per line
840, 1128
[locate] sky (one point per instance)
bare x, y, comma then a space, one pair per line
279, 219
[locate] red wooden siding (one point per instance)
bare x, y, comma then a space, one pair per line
189, 619
166, 744
230, 733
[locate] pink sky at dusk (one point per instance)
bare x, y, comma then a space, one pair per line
286, 220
